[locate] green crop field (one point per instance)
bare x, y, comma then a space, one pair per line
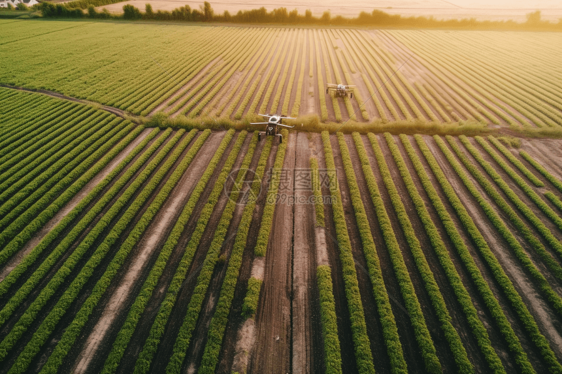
497, 78
129, 243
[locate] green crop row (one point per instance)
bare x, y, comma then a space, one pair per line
263, 85
40, 133
276, 76
35, 185
271, 201
218, 323
451, 335
125, 333
55, 315
239, 64
360, 61
462, 295
518, 180
16, 186
551, 178
33, 219
316, 187
554, 199
18, 141
144, 359
482, 286
388, 322
297, 104
527, 212
252, 298
518, 164
362, 347
502, 280
528, 265
411, 301
194, 307
320, 78
74, 329
39, 192
30, 258
250, 75
332, 352
335, 69
290, 64
51, 143
58, 279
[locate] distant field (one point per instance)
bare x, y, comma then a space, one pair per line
501, 78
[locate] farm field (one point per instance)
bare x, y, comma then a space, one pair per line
217, 72
126, 248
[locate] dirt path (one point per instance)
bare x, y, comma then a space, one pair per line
153, 239
273, 317
36, 239
304, 270
116, 111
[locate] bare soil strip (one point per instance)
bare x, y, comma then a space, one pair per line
152, 240
32, 243
304, 269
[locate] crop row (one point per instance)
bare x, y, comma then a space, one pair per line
388, 322
74, 329
203, 280
30, 258
363, 355
317, 189
55, 315
215, 333
332, 352
551, 178
482, 286
463, 297
506, 233
503, 281
127, 329
157, 330
523, 208
58, 279
451, 335
29, 222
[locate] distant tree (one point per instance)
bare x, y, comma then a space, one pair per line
148, 12
308, 15
10, 6
92, 11
21, 6
208, 12
534, 18
104, 14
293, 16
280, 15
326, 17
196, 16
227, 16
131, 12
